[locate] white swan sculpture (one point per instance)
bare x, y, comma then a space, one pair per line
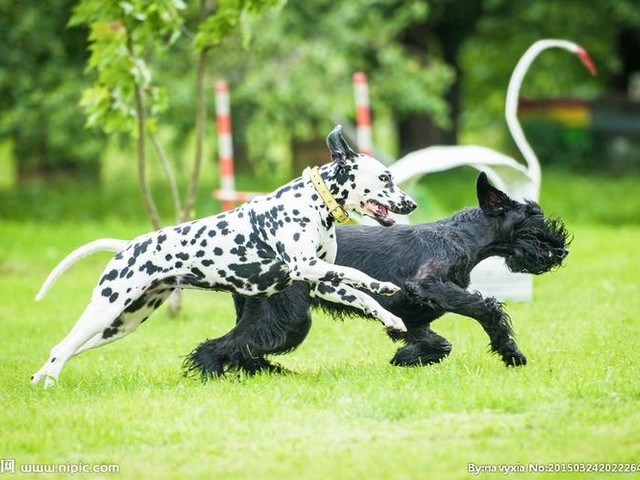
520, 181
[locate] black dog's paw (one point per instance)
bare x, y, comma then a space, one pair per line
422, 353
257, 365
514, 358
278, 369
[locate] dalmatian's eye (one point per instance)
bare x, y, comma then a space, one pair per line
385, 178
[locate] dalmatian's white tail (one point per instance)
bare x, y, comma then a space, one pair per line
101, 245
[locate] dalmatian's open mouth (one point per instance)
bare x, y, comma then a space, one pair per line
379, 212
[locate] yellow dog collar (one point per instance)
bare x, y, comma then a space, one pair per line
336, 210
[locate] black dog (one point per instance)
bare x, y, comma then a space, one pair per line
432, 262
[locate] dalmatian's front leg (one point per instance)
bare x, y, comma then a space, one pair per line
347, 295
316, 270
339, 284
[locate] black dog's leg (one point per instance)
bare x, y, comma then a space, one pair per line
487, 311
423, 347
214, 357
262, 328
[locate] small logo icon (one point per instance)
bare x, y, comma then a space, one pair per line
7, 465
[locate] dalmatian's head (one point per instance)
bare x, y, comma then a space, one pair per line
364, 184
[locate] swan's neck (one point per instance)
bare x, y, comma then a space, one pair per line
511, 106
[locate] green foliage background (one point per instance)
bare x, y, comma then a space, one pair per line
41, 65
289, 65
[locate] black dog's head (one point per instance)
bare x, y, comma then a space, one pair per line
528, 241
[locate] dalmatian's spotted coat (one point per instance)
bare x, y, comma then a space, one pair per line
257, 249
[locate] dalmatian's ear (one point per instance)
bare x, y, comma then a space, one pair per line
340, 150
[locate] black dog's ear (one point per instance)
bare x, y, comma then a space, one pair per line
340, 150
491, 200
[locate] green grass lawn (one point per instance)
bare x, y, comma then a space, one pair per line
345, 413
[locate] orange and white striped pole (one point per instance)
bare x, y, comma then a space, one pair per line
225, 145
363, 113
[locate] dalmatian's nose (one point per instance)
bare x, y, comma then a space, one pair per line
407, 206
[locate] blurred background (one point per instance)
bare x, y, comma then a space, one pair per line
77, 76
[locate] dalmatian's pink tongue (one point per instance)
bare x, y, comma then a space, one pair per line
379, 212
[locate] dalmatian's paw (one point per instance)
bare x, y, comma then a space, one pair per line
391, 322
49, 380
385, 288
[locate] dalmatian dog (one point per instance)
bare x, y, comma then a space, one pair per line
258, 249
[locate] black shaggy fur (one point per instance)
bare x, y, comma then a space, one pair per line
431, 261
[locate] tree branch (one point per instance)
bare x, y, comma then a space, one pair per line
166, 166
201, 120
147, 199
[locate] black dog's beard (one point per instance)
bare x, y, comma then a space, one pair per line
539, 249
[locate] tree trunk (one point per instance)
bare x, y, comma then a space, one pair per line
416, 131
175, 300
627, 46
200, 126
449, 24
